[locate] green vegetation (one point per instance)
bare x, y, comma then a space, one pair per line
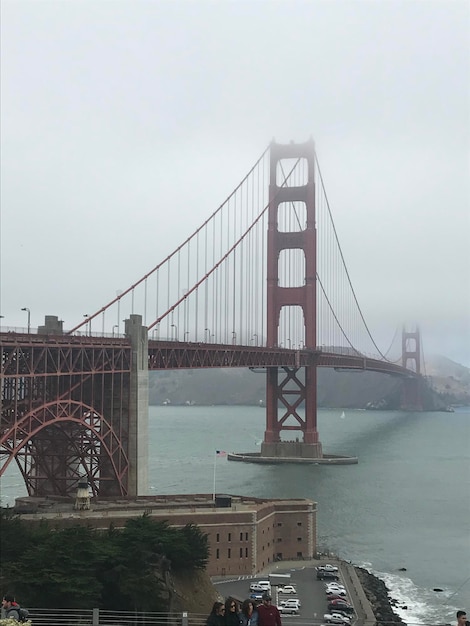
81, 567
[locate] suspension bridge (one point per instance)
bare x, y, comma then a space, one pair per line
262, 283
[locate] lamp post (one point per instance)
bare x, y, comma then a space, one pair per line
186, 334
255, 338
88, 323
25, 308
176, 331
234, 337
208, 331
117, 327
1, 317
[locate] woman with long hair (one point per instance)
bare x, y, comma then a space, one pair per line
248, 615
231, 612
216, 616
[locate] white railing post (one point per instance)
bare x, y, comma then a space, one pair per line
96, 617
184, 619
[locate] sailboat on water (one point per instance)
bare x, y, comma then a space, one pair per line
343, 415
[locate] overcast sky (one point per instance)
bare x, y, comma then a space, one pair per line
125, 124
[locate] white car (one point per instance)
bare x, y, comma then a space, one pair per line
287, 589
334, 586
257, 587
336, 618
336, 591
328, 568
292, 610
291, 602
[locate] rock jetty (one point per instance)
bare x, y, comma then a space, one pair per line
378, 596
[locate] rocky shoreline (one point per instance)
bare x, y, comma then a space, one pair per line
378, 596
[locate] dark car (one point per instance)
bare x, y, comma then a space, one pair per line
323, 574
340, 607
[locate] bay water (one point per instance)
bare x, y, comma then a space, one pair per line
403, 511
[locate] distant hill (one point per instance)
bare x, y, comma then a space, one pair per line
450, 382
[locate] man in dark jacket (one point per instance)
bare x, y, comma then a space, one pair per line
268, 614
10, 607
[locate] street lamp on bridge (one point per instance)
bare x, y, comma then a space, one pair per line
117, 327
208, 331
88, 323
255, 339
25, 308
176, 331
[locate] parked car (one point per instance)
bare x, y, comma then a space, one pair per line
323, 574
328, 568
336, 618
290, 610
261, 585
287, 589
340, 607
256, 595
338, 590
336, 596
333, 584
293, 602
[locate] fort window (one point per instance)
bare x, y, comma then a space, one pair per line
217, 537
299, 538
241, 536
299, 555
217, 554
229, 553
246, 536
246, 552
230, 536
241, 552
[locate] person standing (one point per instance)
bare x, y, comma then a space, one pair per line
462, 618
248, 615
216, 616
231, 612
268, 614
10, 607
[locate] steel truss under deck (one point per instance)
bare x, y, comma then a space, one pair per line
64, 412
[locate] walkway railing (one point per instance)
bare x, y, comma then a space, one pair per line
97, 617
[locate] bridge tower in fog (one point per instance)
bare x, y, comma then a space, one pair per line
293, 236
411, 359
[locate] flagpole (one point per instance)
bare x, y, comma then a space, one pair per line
215, 463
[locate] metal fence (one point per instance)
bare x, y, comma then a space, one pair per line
97, 617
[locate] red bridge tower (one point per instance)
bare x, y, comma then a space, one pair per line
291, 387
411, 359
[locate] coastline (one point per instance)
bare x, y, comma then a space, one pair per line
370, 595
378, 596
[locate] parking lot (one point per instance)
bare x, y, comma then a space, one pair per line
310, 591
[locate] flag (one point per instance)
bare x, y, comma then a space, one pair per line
220, 453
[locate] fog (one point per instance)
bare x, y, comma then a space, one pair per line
125, 124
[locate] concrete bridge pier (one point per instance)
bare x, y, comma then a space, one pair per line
138, 407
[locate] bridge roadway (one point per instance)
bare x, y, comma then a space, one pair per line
310, 591
170, 355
